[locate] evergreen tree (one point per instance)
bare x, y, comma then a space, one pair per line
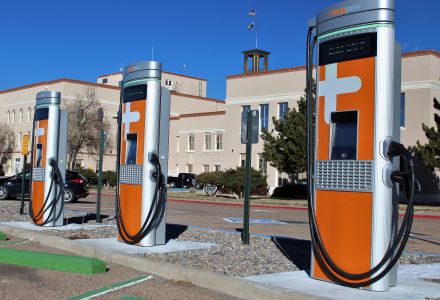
285, 146
430, 152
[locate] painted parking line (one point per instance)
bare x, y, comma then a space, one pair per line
255, 221
263, 210
111, 288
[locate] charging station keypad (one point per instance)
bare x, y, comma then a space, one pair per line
131, 174
38, 174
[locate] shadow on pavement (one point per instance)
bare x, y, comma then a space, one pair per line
83, 218
173, 231
296, 250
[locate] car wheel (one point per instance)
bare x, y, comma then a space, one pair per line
4, 192
69, 196
172, 184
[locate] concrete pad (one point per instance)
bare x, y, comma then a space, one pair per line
73, 226
410, 284
111, 244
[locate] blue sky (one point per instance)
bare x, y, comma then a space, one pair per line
45, 40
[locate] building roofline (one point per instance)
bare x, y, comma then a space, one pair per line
422, 53
202, 114
60, 80
302, 68
166, 72
198, 97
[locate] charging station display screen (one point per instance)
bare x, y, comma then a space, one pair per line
348, 48
131, 149
39, 155
344, 135
42, 114
134, 93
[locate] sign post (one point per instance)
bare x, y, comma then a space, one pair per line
249, 136
102, 139
24, 151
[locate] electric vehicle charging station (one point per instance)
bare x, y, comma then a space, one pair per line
48, 160
353, 146
143, 132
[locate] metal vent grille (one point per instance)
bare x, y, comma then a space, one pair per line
344, 175
131, 174
38, 174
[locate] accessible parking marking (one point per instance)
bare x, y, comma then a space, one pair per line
111, 288
255, 221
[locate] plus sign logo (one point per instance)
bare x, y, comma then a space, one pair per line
129, 117
39, 131
333, 86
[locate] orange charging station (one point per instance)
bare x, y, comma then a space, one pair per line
143, 134
353, 151
48, 160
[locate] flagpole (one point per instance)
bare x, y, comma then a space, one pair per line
256, 31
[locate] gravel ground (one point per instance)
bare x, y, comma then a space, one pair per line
230, 257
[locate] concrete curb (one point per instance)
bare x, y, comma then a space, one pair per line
232, 286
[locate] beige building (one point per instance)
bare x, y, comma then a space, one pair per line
205, 132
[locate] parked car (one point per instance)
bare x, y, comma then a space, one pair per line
75, 186
183, 180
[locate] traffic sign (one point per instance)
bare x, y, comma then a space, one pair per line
25, 145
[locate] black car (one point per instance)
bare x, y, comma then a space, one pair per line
75, 186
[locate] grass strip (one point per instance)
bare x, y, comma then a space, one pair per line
111, 288
51, 261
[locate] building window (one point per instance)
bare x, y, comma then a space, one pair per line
13, 117
8, 117
20, 116
191, 139
207, 141
20, 138
205, 168
218, 141
29, 112
217, 168
189, 168
264, 116
242, 160
262, 164
101, 115
78, 164
177, 144
246, 108
282, 110
402, 109
17, 165
104, 80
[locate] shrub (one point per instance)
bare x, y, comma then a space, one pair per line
215, 178
109, 177
233, 182
292, 191
90, 175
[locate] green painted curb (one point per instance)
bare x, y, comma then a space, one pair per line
2, 236
50, 261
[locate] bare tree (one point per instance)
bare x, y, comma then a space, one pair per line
84, 126
7, 144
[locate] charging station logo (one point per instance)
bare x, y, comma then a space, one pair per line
39, 131
344, 10
333, 86
129, 117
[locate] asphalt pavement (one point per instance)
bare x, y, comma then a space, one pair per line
290, 221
